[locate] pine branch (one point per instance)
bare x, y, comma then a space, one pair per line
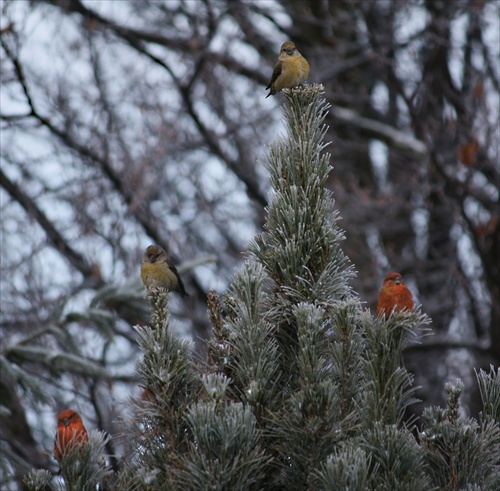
226, 454
170, 385
460, 452
83, 467
254, 358
389, 389
489, 385
348, 467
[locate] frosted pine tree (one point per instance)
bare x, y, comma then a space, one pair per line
303, 388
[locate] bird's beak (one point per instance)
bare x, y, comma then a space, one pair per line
65, 421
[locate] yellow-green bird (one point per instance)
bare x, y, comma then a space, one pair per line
158, 271
291, 70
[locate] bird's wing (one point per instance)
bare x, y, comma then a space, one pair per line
182, 290
276, 73
173, 268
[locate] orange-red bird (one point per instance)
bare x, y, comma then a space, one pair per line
394, 296
71, 432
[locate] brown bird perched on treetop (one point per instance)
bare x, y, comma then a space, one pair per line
71, 433
291, 70
394, 296
158, 271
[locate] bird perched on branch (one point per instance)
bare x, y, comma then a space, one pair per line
158, 271
71, 433
291, 70
394, 296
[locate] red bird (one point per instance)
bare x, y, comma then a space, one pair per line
71, 432
394, 296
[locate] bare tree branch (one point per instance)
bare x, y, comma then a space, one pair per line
384, 132
53, 235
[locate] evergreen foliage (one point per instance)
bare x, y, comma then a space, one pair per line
303, 389
389, 388
489, 385
82, 468
462, 453
225, 453
348, 467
